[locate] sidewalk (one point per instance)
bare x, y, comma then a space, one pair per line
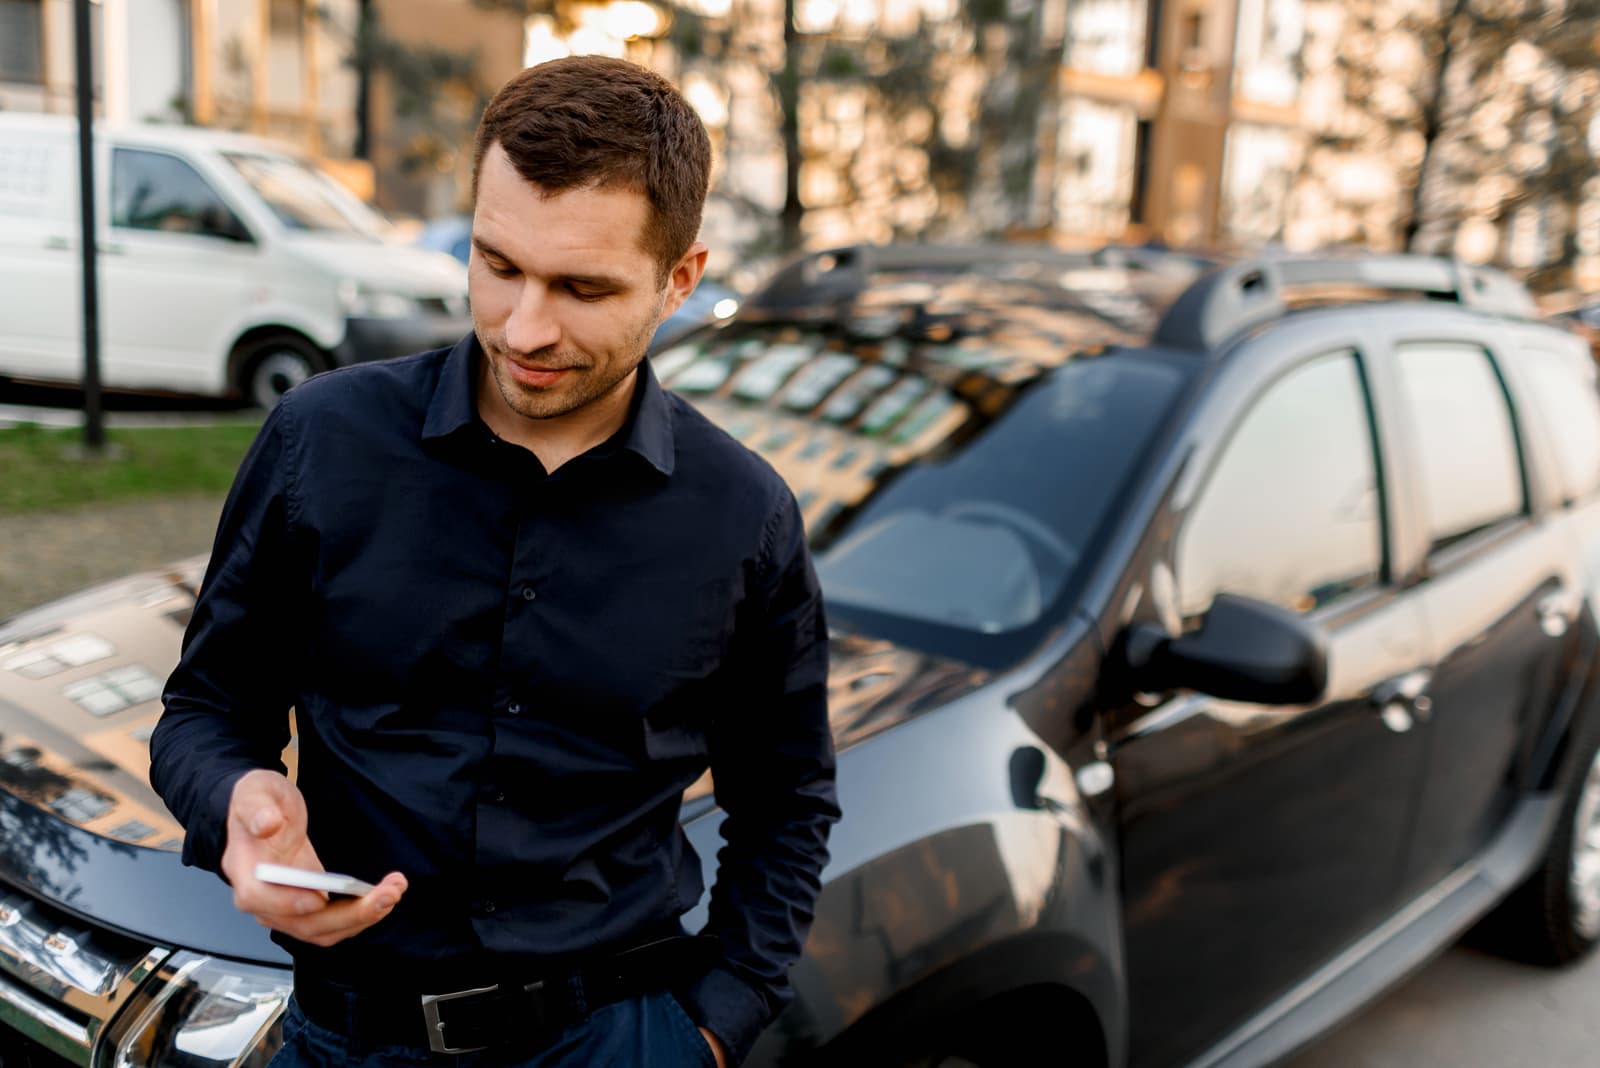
67, 418
50, 554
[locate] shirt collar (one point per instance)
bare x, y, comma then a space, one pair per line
647, 431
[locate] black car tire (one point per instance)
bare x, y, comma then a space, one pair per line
1549, 920
271, 366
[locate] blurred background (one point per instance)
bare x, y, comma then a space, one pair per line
1467, 127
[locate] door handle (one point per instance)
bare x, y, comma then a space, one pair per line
1554, 611
1402, 700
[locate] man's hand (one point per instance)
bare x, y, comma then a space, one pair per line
267, 822
716, 1047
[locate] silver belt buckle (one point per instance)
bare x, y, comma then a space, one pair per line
430, 1012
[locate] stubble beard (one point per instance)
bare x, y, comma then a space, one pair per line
579, 387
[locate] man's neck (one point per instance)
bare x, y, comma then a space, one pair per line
561, 438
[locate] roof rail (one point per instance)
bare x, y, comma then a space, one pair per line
827, 276
1234, 298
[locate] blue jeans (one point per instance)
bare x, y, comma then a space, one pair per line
650, 1031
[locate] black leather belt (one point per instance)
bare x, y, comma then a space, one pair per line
462, 1021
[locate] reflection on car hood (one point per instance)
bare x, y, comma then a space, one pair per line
80, 685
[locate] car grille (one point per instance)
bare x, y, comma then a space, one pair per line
61, 982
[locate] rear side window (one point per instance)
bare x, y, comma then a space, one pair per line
1564, 393
1466, 444
1291, 513
155, 191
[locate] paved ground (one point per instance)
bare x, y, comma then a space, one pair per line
1471, 1010
49, 554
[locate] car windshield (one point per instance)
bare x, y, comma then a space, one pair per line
305, 199
951, 485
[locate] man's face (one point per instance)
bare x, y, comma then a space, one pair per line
564, 296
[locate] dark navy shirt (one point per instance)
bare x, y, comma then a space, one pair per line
504, 680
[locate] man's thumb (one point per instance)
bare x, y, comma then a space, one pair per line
265, 821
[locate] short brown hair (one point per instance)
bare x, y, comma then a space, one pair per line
595, 121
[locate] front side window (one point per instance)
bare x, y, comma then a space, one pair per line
1466, 445
1291, 514
156, 191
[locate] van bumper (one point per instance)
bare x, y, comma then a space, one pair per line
380, 339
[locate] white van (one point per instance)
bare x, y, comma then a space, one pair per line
228, 265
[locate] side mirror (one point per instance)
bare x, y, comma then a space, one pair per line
1246, 650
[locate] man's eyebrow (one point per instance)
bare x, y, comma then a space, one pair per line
488, 249
593, 281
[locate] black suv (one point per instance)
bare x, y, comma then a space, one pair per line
1197, 673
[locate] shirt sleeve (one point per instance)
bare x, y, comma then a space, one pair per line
772, 763
227, 703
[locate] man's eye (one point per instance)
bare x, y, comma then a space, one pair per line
501, 269
586, 294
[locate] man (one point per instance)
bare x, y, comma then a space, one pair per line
519, 597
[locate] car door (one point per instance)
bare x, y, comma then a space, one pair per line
177, 269
1497, 596
1258, 841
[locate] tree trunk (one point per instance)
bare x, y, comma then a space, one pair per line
1432, 124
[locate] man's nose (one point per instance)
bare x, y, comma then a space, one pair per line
532, 325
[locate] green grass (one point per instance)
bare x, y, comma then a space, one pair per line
42, 470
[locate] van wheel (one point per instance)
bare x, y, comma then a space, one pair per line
274, 365
1554, 918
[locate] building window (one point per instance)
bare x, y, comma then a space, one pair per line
22, 41
1106, 36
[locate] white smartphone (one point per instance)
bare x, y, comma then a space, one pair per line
326, 881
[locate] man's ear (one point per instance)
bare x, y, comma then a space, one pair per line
684, 277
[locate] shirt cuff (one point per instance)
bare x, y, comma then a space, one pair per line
726, 1006
206, 837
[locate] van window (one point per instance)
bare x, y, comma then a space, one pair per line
303, 198
157, 191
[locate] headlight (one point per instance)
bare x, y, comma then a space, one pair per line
363, 303
200, 1012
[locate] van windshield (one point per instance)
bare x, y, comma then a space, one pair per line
304, 199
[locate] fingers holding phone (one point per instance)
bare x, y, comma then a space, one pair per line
267, 825
354, 906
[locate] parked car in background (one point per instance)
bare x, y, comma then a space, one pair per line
1190, 685
710, 301
228, 265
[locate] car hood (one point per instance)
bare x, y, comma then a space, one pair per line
80, 683
80, 827
383, 266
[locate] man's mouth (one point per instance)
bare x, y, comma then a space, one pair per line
536, 376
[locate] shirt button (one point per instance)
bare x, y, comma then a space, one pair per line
498, 797
528, 593
485, 907
514, 709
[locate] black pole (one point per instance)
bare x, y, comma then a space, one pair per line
94, 431
365, 30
